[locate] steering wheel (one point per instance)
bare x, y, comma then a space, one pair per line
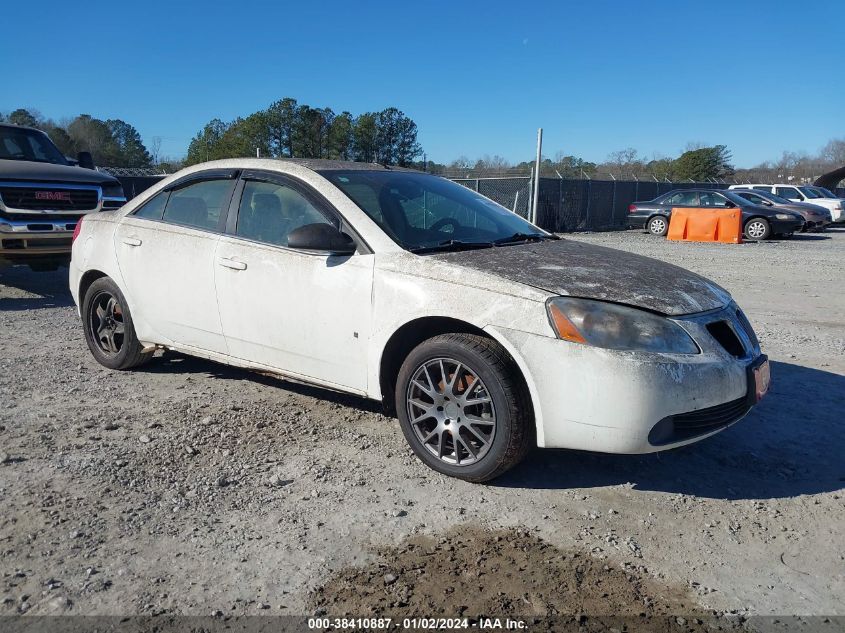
437, 226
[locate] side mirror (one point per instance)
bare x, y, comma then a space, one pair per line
321, 237
729, 204
84, 159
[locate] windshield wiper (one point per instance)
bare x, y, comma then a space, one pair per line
450, 245
516, 238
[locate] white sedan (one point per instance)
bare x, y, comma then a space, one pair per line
485, 334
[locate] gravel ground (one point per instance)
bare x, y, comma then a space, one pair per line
193, 488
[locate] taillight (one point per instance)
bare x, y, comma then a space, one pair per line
77, 229
632, 208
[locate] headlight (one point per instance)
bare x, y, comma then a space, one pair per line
785, 216
112, 190
612, 326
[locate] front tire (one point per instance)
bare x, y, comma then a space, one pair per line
757, 229
108, 326
463, 407
658, 225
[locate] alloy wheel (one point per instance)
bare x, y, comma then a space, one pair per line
756, 229
106, 323
657, 226
451, 411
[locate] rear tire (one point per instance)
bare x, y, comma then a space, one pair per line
658, 225
108, 326
464, 408
757, 229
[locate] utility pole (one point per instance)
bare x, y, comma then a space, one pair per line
536, 200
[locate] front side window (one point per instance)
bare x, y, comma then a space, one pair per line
810, 192
421, 211
269, 212
752, 197
788, 192
200, 205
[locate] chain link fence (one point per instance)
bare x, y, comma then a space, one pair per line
564, 205
575, 205
513, 193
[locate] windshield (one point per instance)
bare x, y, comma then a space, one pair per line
824, 193
810, 193
24, 144
424, 212
736, 199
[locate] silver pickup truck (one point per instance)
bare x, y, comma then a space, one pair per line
42, 196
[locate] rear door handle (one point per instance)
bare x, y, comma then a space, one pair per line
231, 263
131, 241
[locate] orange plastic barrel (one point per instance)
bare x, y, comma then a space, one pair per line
706, 225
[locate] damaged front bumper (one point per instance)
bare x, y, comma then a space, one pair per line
610, 401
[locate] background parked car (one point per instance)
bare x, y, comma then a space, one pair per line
801, 193
816, 218
758, 222
43, 194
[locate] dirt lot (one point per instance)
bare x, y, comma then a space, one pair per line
192, 488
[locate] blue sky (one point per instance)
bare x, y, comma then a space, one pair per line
477, 77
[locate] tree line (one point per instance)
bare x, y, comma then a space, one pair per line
113, 142
697, 162
288, 129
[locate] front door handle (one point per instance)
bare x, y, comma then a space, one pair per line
131, 241
231, 263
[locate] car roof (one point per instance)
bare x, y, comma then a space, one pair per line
293, 165
21, 127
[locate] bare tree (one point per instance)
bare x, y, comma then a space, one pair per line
155, 149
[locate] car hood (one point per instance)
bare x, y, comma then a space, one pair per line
48, 172
805, 207
570, 268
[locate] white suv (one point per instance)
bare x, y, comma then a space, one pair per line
802, 193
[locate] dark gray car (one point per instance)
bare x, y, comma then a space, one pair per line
758, 222
816, 218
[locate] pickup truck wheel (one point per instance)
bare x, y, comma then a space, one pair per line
658, 225
463, 407
108, 327
757, 229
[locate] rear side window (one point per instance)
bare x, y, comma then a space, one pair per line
712, 200
769, 189
683, 199
153, 209
200, 205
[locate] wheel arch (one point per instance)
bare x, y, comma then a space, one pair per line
410, 334
88, 278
